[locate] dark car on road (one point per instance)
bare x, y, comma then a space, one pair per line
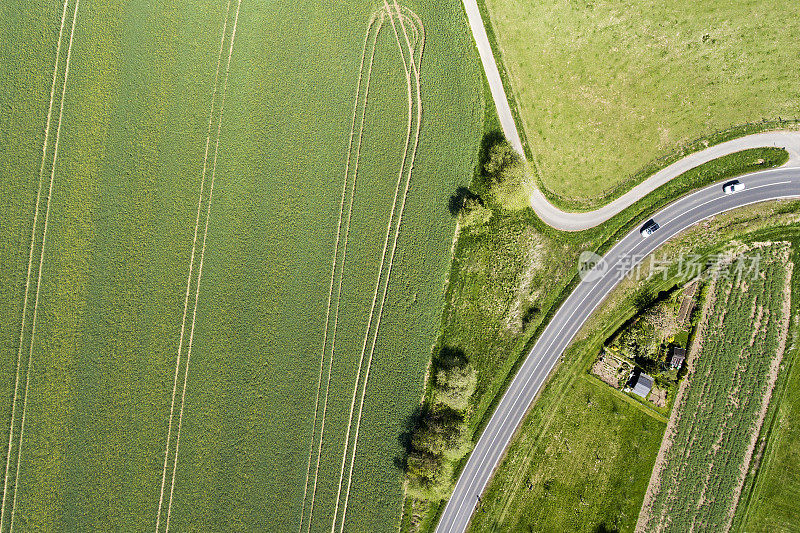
649, 228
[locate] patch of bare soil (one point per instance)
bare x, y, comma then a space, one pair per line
688, 301
605, 373
658, 396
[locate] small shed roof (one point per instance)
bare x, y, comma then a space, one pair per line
678, 356
642, 385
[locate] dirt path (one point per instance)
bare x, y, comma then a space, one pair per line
563, 220
570, 221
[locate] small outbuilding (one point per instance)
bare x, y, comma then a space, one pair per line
676, 357
641, 384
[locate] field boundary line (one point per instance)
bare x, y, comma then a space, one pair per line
202, 257
415, 70
345, 181
41, 258
30, 263
191, 266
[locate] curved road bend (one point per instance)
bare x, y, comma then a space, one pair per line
563, 220
761, 186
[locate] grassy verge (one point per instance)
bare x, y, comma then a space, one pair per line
558, 251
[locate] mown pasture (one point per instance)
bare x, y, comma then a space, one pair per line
604, 88
119, 248
733, 368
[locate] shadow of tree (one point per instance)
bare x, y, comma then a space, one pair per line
460, 198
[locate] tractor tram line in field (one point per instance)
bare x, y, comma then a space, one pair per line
377, 18
8, 483
415, 101
193, 280
414, 43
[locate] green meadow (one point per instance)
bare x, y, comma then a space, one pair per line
604, 88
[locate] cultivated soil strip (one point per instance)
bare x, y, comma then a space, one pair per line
648, 521
772, 378
41, 263
191, 280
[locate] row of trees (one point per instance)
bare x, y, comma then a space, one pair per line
440, 433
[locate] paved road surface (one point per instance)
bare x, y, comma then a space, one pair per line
492, 75
683, 213
790, 140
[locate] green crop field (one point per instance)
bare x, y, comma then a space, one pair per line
772, 506
603, 88
711, 437
166, 355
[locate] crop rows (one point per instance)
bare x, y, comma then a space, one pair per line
718, 414
193, 279
120, 432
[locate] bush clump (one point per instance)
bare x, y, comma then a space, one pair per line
440, 433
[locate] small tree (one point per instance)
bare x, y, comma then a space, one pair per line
501, 157
506, 175
644, 299
428, 477
441, 431
454, 386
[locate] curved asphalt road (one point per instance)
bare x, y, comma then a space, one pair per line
573, 313
563, 220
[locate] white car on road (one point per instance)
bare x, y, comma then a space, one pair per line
649, 228
733, 187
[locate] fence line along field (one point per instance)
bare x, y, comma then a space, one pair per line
720, 408
183, 373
